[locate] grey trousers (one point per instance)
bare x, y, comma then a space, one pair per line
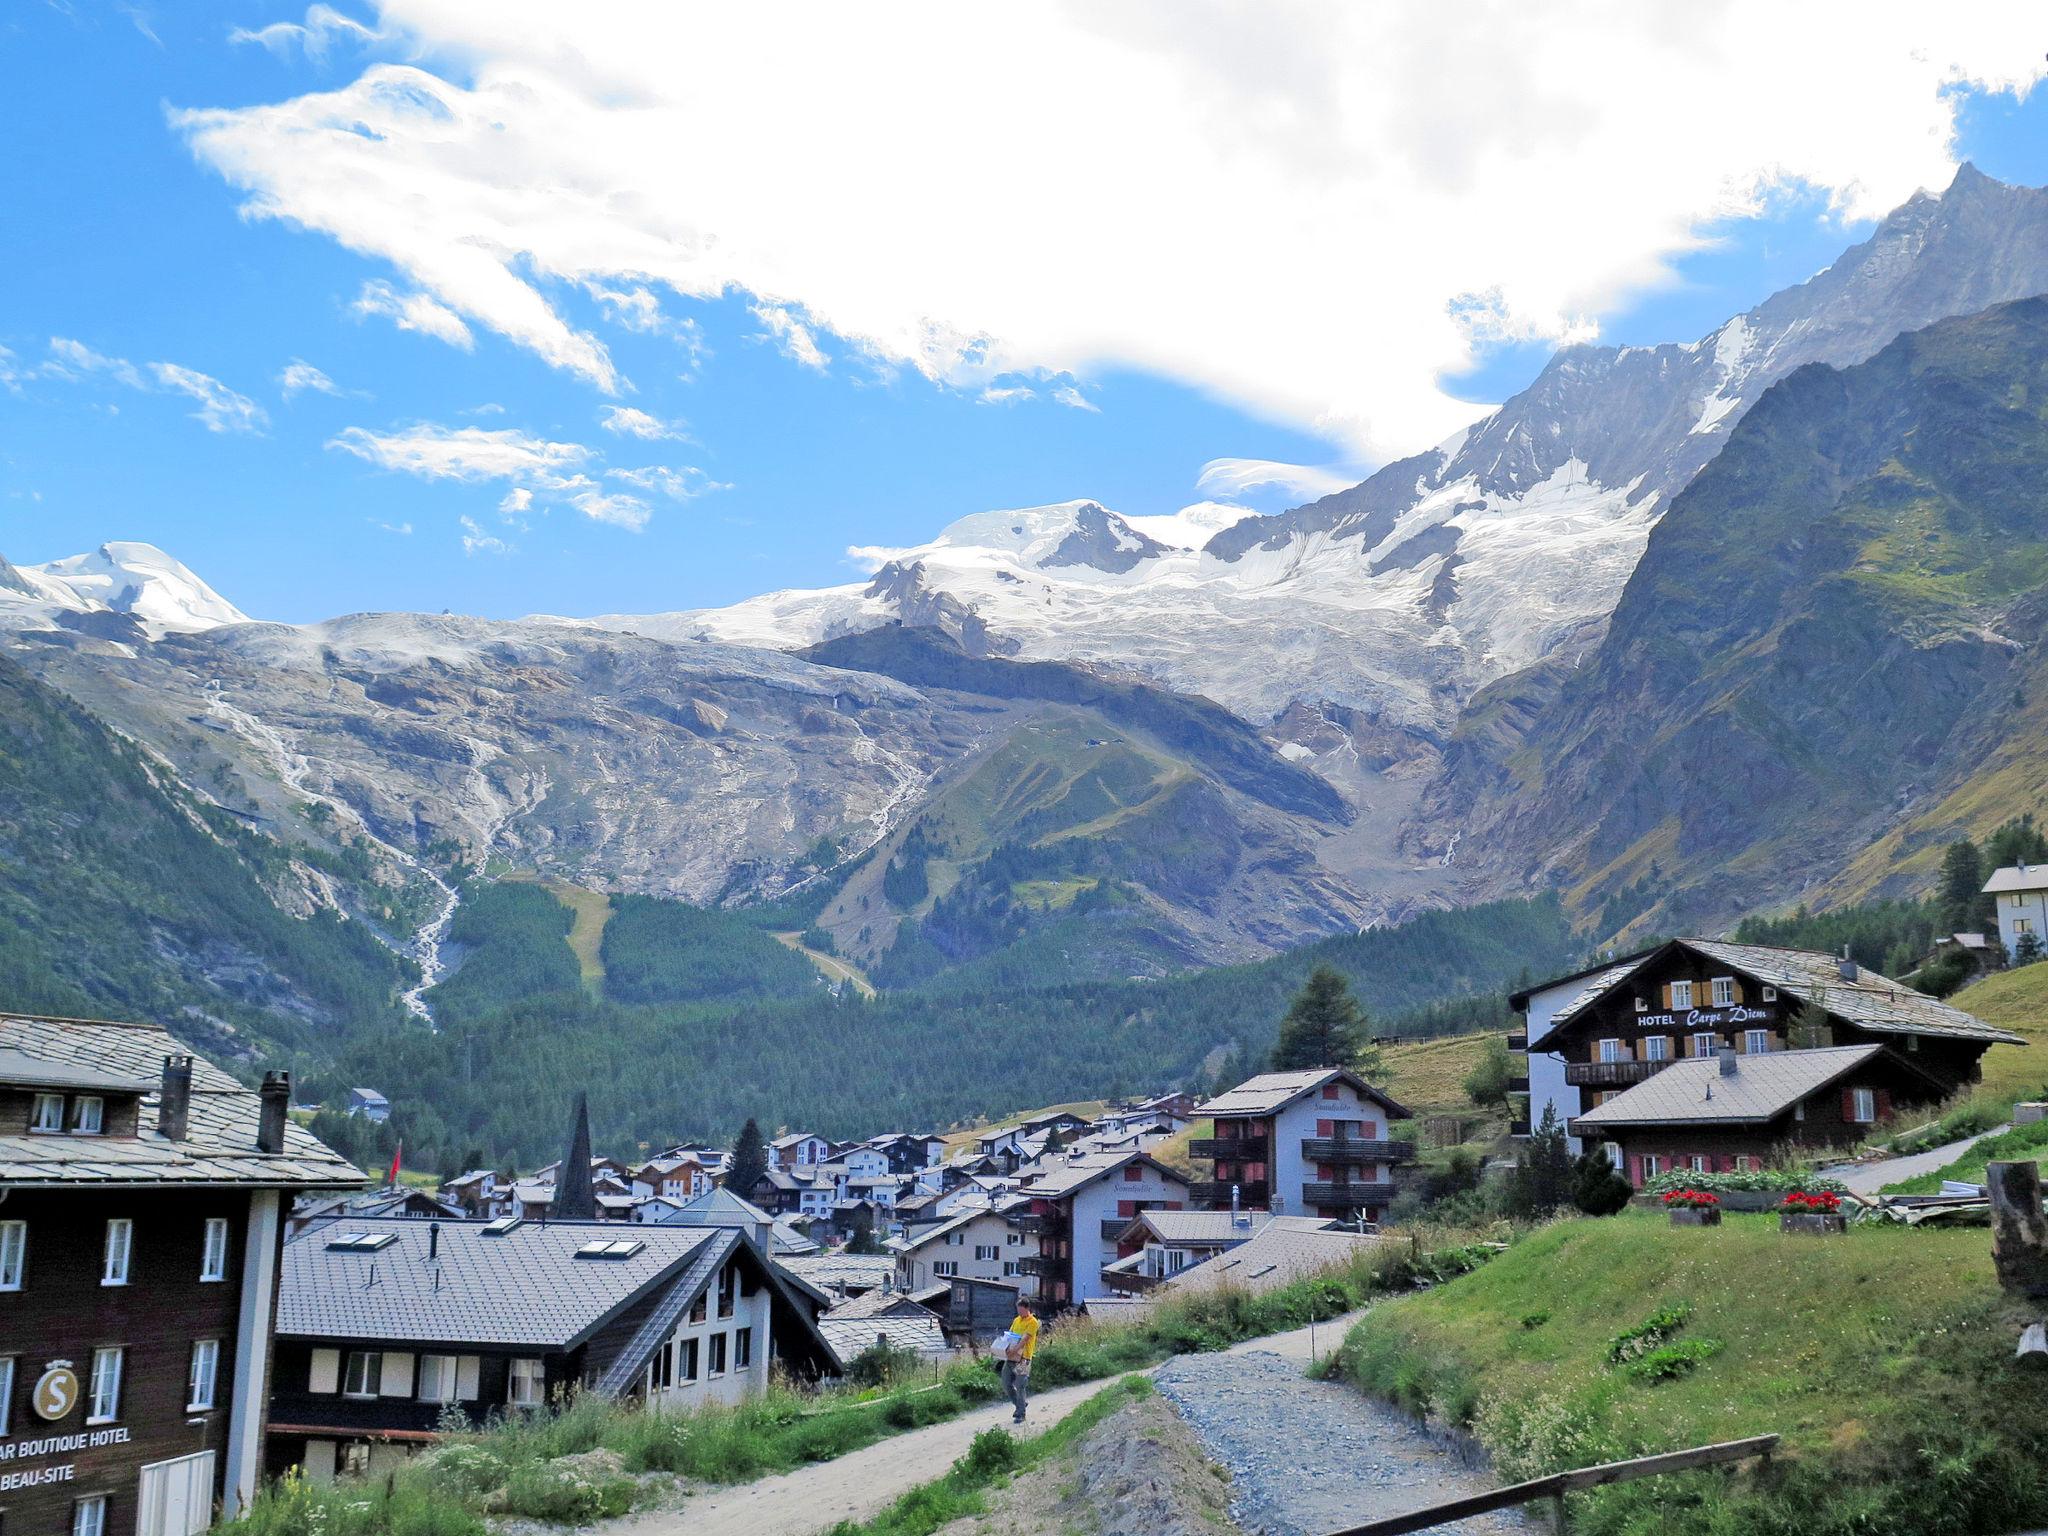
1016, 1376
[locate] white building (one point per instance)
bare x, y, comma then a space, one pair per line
799, 1150
2021, 893
976, 1244
1307, 1143
1081, 1208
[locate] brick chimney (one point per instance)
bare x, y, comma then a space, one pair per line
276, 1094
174, 1098
1726, 1057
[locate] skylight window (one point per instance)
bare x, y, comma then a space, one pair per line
619, 1248
360, 1242
499, 1226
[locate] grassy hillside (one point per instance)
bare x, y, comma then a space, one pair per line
2016, 1000
1428, 1076
1883, 1358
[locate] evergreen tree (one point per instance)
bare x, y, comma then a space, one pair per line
748, 1164
1596, 1188
1962, 881
2026, 949
1054, 1142
1324, 1027
1543, 1177
864, 1240
1811, 1028
1487, 1084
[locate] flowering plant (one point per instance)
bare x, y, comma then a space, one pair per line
1821, 1203
1690, 1199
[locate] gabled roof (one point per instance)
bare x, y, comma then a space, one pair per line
219, 1145
1276, 1255
849, 1337
525, 1286
1270, 1092
1064, 1179
864, 1271
1695, 1091
2018, 877
793, 1138
18, 1069
938, 1229
1869, 1001
1208, 1228
1520, 1000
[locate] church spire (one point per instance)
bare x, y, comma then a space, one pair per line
575, 1196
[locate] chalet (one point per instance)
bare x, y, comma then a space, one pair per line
1065, 1121
1159, 1244
1309, 1143
905, 1154
979, 1244
722, 1208
384, 1326
479, 1192
1597, 1032
798, 1150
142, 1202
1079, 1211
2020, 892
368, 1103
1729, 1112
882, 1316
777, 1192
676, 1176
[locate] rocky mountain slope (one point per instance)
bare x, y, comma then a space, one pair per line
1833, 641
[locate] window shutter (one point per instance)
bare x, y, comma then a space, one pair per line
1884, 1104
397, 1378
1667, 997
1735, 982
1849, 1106
465, 1378
326, 1372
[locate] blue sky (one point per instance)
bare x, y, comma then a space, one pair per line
119, 237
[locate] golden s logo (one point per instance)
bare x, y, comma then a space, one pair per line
56, 1390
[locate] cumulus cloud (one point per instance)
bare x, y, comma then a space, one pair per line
323, 27
1005, 394
793, 338
535, 469
475, 541
221, 409
414, 312
299, 375
628, 421
1314, 211
1235, 477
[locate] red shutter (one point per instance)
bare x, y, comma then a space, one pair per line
1884, 1104
1323, 1174
1326, 1127
1848, 1106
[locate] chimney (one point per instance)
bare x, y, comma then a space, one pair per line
174, 1099
433, 1241
276, 1094
1726, 1056
1847, 969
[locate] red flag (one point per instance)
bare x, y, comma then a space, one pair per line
396, 1153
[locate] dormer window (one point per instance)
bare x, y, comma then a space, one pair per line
48, 1117
88, 1114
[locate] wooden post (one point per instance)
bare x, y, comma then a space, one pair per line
2019, 1231
1557, 1513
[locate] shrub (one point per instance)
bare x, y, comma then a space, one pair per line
1597, 1189
1668, 1362
1652, 1332
1535, 1319
569, 1492
1768, 1180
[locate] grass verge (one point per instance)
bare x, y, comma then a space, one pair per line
2023, 1143
1884, 1357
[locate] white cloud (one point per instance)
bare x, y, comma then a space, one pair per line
322, 26
1234, 477
677, 484
1314, 211
403, 529
630, 422
1069, 395
536, 469
74, 359
1005, 394
793, 339
300, 375
477, 542
414, 312
220, 408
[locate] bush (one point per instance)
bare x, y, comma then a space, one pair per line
1766, 1180
1597, 1189
573, 1491
1649, 1334
1668, 1362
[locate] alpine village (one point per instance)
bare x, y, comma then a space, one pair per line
1501, 992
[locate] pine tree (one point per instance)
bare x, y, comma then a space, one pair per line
1596, 1188
1543, 1177
1962, 879
1054, 1142
1324, 1027
2026, 949
748, 1164
1811, 1029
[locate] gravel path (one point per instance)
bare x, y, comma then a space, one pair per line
1307, 1457
1869, 1178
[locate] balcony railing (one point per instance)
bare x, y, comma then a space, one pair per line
1519, 1127
1519, 1083
1610, 1074
1113, 1227
1518, 1040
1045, 1266
1346, 1197
1348, 1150
1045, 1226
1214, 1194
1130, 1281
1251, 1149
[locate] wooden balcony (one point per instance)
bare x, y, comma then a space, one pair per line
1113, 1227
1519, 1127
1610, 1074
1045, 1266
1044, 1226
1130, 1282
1214, 1194
1346, 1197
1518, 1040
1351, 1152
1248, 1149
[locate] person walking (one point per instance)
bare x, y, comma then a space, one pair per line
1016, 1371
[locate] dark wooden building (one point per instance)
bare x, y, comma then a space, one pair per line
142, 1199
1598, 1033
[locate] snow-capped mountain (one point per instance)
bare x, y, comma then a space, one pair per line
138, 581
1445, 570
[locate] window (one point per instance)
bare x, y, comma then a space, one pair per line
105, 1406
114, 1259
985, 1252
528, 1385
1770, 994
1656, 1047
1329, 1090
946, 1267
717, 1354
6, 1390
13, 1253
1799, 1111
1010, 1271
1862, 1106
1681, 994
49, 1113
1724, 991
365, 1373
437, 1379
1610, 1050
1744, 1163
1706, 1044
661, 1370
88, 1114
355, 1459
89, 1516
697, 1309
1652, 1165
743, 1349
213, 1254
2023, 925
1134, 1173
1757, 1042
728, 1289
1701, 1163
199, 1380
686, 1360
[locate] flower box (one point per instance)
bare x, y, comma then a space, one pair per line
1696, 1216
1819, 1223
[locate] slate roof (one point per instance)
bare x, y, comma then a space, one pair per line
1064, 1179
1278, 1254
1871, 1002
1271, 1092
880, 1302
2018, 877
1695, 1091
526, 1287
19, 1069
1208, 1227
862, 1271
848, 1337
219, 1147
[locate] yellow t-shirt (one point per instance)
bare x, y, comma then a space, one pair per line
1027, 1329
